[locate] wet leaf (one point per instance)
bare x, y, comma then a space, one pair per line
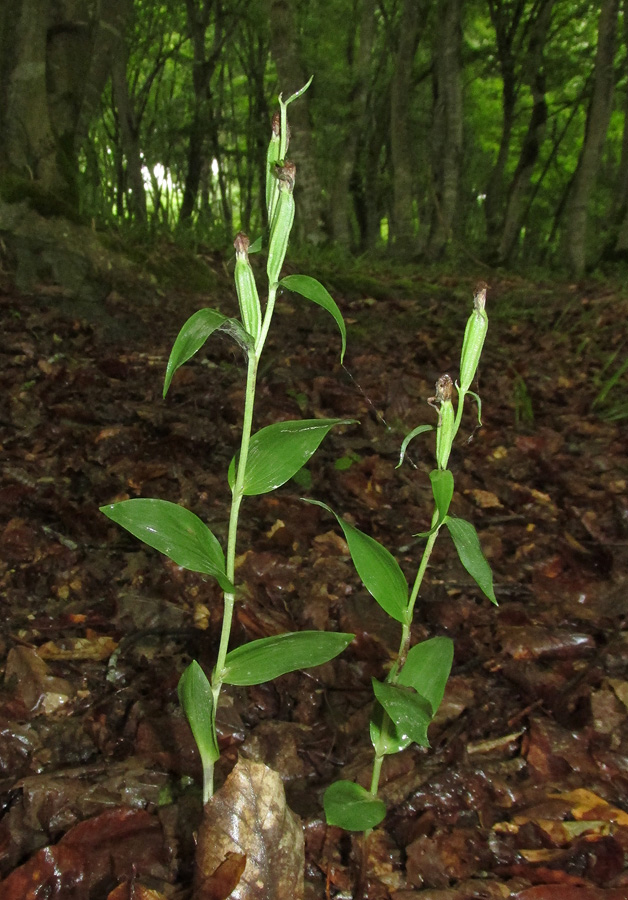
378, 569
277, 452
268, 658
352, 807
174, 531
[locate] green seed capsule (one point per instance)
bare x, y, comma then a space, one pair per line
248, 298
272, 158
283, 218
446, 420
474, 335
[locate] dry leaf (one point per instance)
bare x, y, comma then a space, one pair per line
249, 816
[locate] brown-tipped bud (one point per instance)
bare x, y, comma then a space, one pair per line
444, 388
479, 295
242, 244
286, 175
276, 124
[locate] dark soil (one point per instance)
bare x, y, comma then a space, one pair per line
524, 792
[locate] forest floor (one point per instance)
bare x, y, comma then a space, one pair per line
524, 791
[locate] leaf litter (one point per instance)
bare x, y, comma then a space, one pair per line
524, 791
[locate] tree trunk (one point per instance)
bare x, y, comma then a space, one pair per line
402, 225
129, 137
621, 211
598, 117
506, 21
520, 185
284, 48
340, 192
447, 128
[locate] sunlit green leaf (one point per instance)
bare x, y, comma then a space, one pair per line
410, 712
194, 334
313, 290
175, 532
420, 429
268, 658
378, 569
465, 537
280, 450
195, 697
352, 807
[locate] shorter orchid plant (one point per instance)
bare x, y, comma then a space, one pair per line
407, 701
266, 460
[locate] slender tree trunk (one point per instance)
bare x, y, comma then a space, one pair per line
284, 47
505, 19
129, 136
340, 193
447, 128
402, 223
520, 185
598, 117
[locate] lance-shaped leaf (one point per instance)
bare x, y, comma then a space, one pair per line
378, 569
465, 537
443, 490
420, 429
278, 451
313, 290
427, 669
410, 712
268, 658
352, 807
194, 334
195, 697
174, 531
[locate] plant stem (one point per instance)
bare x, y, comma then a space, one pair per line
229, 601
404, 646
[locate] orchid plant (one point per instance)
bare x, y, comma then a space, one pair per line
266, 460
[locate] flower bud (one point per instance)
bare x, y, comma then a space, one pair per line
446, 420
272, 158
246, 288
283, 218
474, 335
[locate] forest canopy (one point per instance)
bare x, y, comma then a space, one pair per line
496, 129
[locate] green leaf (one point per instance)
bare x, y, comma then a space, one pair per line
378, 569
256, 246
388, 740
313, 290
465, 537
443, 490
194, 334
278, 451
268, 658
410, 712
195, 696
352, 807
420, 429
427, 669
174, 531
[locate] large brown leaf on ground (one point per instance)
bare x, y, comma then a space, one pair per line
249, 816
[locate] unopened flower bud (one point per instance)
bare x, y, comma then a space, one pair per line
281, 226
474, 335
246, 288
446, 420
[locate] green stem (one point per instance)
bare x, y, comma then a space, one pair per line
229, 601
404, 647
